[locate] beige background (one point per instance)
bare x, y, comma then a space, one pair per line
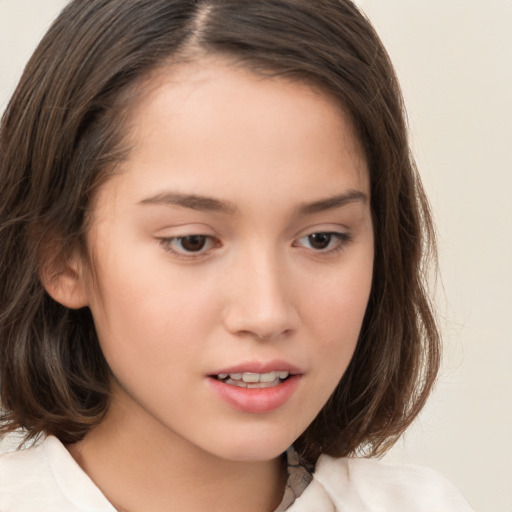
454, 58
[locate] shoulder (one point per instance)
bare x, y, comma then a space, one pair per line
23, 474
46, 477
19, 468
367, 485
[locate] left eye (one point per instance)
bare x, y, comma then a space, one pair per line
323, 241
188, 244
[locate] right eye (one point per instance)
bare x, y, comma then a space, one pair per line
188, 245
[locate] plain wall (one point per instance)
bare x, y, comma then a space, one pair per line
454, 59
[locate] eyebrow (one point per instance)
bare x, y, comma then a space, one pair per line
210, 204
192, 201
333, 202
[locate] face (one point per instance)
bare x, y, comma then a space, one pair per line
233, 258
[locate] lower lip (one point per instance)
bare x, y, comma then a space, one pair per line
255, 400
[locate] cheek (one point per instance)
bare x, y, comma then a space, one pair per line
336, 311
144, 314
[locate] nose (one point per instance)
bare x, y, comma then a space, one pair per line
261, 301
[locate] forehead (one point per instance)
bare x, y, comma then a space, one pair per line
205, 94
210, 123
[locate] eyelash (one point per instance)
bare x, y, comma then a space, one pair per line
169, 244
340, 241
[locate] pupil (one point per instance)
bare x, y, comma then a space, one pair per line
320, 240
193, 243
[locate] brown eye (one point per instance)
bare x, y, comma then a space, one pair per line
192, 243
320, 241
189, 245
324, 241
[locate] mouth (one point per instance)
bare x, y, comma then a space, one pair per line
250, 380
256, 388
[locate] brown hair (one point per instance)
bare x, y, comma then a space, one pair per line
61, 135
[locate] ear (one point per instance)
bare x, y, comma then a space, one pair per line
64, 280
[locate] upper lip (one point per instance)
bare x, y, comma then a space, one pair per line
260, 367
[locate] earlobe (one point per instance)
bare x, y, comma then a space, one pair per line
65, 283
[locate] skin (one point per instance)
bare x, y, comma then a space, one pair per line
273, 153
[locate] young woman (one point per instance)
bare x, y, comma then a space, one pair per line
212, 238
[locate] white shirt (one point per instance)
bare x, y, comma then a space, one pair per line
46, 478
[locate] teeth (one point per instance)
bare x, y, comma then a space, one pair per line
268, 377
253, 378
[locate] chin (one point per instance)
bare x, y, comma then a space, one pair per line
258, 446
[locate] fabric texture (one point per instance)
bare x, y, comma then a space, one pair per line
47, 479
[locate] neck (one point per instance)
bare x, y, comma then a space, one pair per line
141, 467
